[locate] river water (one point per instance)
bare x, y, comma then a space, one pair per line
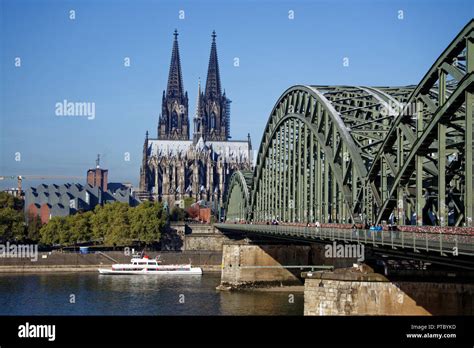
85, 293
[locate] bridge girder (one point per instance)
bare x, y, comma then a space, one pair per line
439, 115
237, 201
363, 154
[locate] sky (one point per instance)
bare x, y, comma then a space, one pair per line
46, 57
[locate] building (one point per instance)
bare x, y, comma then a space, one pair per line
98, 176
175, 165
14, 191
48, 201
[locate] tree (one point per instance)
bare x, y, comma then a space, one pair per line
80, 227
65, 235
99, 222
118, 232
188, 201
55, 231
147, 221
110, 223
12, 220
9, 201
177, 214
33, 227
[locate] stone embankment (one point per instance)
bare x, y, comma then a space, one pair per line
182, 243
360, 291
209, 261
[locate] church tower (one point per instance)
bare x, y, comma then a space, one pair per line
215, 107
173, 123
174, 167
198, 119
144, 169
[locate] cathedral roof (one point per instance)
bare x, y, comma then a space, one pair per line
168, 147
201, 145
228, 150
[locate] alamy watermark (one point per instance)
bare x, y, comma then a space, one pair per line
399, 109
28, 251
68, 108
28, 330
335, 250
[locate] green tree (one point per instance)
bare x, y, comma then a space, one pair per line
80, 227
147, 222
34, 227
12, 220
118, 232
56, 231
99, 222
110, 223
188, 201
177, 214
65, 235
9, 201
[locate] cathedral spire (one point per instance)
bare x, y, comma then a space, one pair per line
175, 80
198, 101
198, 126
173, 123
213, 83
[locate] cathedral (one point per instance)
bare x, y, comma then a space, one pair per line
175, 165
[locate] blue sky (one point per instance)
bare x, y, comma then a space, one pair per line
82, 60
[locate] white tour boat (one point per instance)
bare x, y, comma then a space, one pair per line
146, 266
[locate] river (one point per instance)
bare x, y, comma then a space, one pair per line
88, 293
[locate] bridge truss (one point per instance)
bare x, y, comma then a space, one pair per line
345, 154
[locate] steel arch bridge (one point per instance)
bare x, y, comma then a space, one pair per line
344, 154
238, 199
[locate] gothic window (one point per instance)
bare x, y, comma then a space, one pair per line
213, 120
174, 120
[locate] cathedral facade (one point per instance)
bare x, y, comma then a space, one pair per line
175, 165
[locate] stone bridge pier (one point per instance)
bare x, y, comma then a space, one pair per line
351, 288
360, 291
256, 263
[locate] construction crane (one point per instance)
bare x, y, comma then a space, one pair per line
20, 179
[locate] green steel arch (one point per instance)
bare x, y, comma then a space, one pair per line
428, 152
237, 202
354, 154
317, 148
304, 129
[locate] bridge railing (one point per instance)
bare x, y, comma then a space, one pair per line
444, 243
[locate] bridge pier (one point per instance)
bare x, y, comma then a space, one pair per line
252, 263
355, 292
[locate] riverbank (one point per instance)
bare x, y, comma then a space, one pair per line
79, 268
284, 288
48, 262
263, 286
